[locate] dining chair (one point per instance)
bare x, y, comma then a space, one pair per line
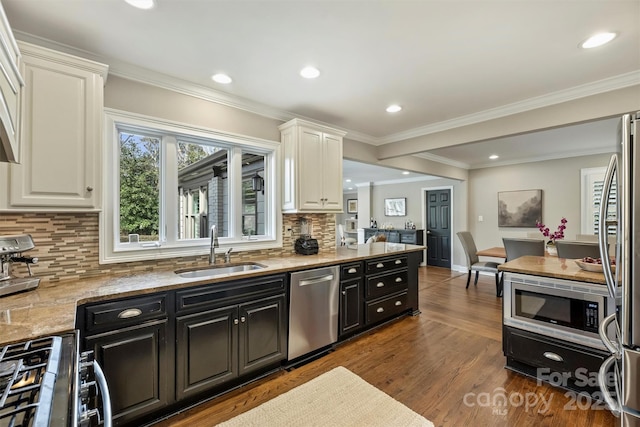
515, 248
343, 239
474, 263
575, 250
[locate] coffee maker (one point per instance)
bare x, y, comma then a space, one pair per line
11, 249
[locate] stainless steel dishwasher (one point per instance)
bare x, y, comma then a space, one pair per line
313, 310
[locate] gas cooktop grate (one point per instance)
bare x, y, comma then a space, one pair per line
27, 376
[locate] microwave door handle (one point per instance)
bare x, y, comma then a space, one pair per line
612, 403
602, 226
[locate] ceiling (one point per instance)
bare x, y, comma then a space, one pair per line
441, 61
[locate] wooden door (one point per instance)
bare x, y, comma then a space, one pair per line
439, 228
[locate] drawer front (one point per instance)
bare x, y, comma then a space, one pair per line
385, 284
381, 265
409, 238
386, 308
543, 352
218, 294
351, 271
125, 312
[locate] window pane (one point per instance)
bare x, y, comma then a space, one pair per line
203, 190
253, 206
139, 187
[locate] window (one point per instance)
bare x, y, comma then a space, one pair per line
171, 183
592, 183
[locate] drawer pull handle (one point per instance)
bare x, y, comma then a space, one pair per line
398, 303
352, 270
243, 319
129, 313
398, 279
379, 265
553, 356
380, 285
235, 321
380, 310
398, 261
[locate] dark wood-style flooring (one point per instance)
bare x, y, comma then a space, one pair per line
445, 364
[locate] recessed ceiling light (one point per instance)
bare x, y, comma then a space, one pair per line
221, 78
393, 108
493, 156
405, 172
309, 72
598, 40
347, 180
350, 188
142, 4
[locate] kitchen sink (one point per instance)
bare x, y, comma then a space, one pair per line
221, 270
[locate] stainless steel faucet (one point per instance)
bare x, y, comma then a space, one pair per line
214, 244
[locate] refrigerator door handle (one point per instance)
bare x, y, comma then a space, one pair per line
613, 348
602, 226
614, 406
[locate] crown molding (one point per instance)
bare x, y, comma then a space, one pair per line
605, 85
143, 75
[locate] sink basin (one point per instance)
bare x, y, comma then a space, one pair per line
222, 270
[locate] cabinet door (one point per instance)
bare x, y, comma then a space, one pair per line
332, 173
351, 306
60, 136
206, 351
311, 170
136, 364
263, 334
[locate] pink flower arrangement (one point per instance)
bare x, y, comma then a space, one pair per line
556, 235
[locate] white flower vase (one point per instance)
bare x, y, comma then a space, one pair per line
551, 249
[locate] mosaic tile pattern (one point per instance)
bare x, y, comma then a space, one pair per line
67, 245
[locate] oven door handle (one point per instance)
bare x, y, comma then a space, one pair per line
101, 380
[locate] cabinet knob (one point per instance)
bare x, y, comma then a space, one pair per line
344, 292
380, 285
243, 319
398, 261
379, 265
380, 310
398, 279
235, 321
89, 188
398, 303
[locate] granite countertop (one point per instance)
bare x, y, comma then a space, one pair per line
549, 266
50, 309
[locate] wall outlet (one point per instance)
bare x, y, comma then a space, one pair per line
480, 218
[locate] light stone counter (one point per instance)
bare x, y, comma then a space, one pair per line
51, 308
549, 266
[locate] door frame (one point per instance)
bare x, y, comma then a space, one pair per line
424, 218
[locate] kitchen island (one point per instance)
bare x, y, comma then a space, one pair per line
552, 310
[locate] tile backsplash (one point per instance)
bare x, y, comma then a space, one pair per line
67, 244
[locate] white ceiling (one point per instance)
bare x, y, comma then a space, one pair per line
441, 60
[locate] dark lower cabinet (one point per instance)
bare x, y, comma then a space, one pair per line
136, 364
217, 346
351, 307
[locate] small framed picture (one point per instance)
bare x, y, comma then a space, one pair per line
352, 205
395, 207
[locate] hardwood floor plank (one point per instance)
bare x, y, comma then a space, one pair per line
445, 364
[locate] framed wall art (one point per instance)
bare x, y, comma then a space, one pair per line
519, 208
352, 205
395, 207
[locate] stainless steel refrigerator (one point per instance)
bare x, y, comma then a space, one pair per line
619, 376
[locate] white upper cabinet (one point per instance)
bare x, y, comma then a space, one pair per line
61, 131
312, 167
11, 84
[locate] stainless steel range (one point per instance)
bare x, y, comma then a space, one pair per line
11, 249
45, 382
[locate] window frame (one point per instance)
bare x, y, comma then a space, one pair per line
112, 251
588, 178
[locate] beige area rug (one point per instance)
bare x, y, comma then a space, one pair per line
336, 398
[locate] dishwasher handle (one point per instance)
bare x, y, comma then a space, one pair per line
314, 280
